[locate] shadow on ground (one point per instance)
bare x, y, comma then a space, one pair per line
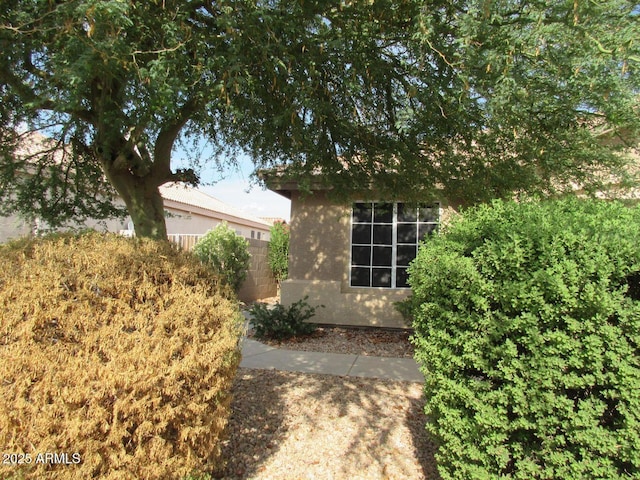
294, 425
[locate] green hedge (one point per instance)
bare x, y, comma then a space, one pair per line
527, 321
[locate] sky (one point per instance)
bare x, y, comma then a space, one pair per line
236, 190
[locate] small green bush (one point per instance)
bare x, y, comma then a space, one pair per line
278, 255
227, 253
119, 353
527, 320
281, 322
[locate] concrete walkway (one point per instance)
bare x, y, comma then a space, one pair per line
260, 356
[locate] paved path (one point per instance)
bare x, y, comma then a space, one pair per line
260, 356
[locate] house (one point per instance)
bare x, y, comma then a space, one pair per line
189, 215
191, 212
14, 226
352, 256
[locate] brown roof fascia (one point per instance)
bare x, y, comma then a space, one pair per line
279, 182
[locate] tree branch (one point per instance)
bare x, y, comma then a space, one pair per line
166, 139
29, 96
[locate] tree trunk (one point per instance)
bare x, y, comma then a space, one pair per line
144, 204
136, 174
146, 208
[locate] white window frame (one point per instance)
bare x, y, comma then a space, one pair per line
394, 243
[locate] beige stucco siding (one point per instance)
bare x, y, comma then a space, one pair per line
319, 265
14, 226
360, 307
182, 222
320, 231
179, 221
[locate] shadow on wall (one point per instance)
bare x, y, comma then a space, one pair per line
348, 306
290, 425
319, 238
260, 282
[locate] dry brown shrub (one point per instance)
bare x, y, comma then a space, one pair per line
120, 351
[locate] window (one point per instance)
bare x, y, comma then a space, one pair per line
384, 240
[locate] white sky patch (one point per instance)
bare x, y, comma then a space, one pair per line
256, 201
236, 190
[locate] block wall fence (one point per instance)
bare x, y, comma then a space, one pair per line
259, 283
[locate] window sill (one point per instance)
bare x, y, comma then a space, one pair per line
398, 292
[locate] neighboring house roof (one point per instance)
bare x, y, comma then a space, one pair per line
176, 196
190, 199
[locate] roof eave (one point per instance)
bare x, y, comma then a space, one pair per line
276, 181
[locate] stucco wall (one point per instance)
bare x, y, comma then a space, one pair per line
181, 222
260, 282
14, 227
319, 266
358, 307
319, 234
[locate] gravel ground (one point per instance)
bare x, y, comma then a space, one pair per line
376, 342
288, 425
291, 426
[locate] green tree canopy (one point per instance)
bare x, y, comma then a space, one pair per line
478, 98
481, 98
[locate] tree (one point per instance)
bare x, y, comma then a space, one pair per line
482, 99
278, 255
475, 97
118, 84
541, 85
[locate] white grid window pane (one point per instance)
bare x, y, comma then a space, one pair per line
385, 240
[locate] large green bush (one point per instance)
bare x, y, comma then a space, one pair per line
226, 253
527, 321
117, 355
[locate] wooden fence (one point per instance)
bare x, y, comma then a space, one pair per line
186, 241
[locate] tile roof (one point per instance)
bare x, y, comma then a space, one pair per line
196, 198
